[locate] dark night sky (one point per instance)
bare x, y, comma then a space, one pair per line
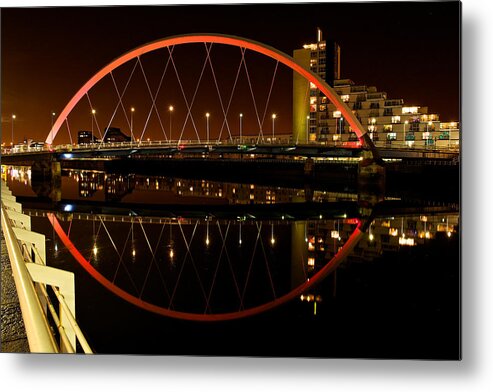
409, 50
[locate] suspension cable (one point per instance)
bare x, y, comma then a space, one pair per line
270, 91
94, 115
232, 93
153, 252
68, 128
218, 92
207, 305
259, 228
268, 269
120, 262
184, 259
189, 106
261, 134
120, 96
153, 106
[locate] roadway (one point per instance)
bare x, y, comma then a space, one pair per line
348, 150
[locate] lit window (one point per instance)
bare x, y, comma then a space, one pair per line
313, 86
336, 114
310, 46
406, 241
345, 98
410, 109
396, 119
311, 261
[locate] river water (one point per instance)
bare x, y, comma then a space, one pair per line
193, 266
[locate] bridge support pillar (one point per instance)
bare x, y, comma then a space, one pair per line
56, 181
308, 168
371, 175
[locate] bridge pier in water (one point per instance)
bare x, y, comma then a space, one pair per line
46, 179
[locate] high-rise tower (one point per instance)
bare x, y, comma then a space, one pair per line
323, 58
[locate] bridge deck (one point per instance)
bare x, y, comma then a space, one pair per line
219, 150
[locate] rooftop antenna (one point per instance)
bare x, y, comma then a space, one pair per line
319, 34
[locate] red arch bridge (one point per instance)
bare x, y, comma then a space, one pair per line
243, 122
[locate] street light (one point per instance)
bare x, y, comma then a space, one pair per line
93, 113
170, 109
207, 241
132, 110
53, 114
207, 115
241, 118
13, 118
307, 128
273, 131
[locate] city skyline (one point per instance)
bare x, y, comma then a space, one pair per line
33, 90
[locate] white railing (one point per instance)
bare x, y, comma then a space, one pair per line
452, 145
32, 279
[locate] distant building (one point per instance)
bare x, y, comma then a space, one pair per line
111, 135
114, 135
387, 120
85, 137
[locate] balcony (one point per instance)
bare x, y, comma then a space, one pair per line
358, 89
394, 102
375, 96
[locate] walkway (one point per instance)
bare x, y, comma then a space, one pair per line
13, 335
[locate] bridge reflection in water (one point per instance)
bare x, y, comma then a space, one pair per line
203, 247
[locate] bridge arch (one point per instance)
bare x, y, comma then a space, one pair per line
336, 260
255, 46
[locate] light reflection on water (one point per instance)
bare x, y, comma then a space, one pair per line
217, 261
198, 261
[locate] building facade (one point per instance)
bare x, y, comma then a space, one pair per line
389, 121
